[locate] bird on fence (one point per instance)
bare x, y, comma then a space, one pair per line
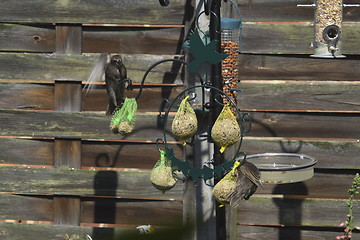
116, 82
115, 78
247, 182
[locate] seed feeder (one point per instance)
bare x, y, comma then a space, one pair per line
230, 44
278, 168
328, 27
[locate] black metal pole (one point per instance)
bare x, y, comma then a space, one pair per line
216, 81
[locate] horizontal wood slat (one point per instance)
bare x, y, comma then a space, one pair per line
270, 38
330, 154
318, 186
156, 213
123, 184
50, 67
286, 11
96, 125
303, 125
136, 184
300, 96
95, 39
41, 97
249, 232
77, 125
123, 212
291, 38
293, 211
19, 231
18, 207
84, 11
31, 152
297, 67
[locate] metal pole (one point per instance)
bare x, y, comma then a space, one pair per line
216, 81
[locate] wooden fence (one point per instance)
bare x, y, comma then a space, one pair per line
64, 172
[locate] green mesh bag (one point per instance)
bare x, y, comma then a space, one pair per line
185, 124
226, 130
123, 118
161, 174
226, 186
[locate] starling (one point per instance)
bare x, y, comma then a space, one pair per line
247, 182
116, 81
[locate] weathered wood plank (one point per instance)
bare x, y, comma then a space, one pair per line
18, 231
329, 153
270, 38
304, 125
48, 67
293, 211
285, 38
41, 97
156, 213
29, 38
136, 184
302, 96
133, 40
28, 152
297, 67
77, 125
124, 184
320, 186
93, 153
96, 125
21, 208
122, 155
248, 232
96, 39
84, 11
44, 67
286, 11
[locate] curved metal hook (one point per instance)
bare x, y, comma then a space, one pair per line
153, 66
157, 143
217, 26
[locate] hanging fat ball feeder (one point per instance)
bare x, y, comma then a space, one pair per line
123, 118
226, 186
226, 130
161, 175
184, 125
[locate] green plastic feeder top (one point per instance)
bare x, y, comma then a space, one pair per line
230, 23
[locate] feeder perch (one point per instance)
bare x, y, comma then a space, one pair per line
277, 168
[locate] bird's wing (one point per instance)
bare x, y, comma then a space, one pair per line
251, 171
97, 72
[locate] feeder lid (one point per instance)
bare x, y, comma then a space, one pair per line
230, 23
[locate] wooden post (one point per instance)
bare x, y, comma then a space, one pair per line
67, 152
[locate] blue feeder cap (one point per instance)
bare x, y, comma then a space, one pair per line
230, 23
